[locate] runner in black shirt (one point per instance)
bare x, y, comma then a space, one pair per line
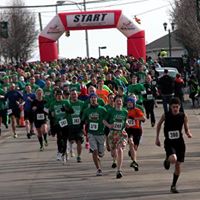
174, 143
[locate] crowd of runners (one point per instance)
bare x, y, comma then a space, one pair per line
102, 102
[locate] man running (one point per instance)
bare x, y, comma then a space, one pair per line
93, 119
174, 143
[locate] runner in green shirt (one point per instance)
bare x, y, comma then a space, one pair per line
136, 88
116, 122
61, 109
93, 118
75, 127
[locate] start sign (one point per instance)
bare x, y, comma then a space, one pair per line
91, 19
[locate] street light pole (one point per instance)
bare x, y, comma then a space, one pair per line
169, 36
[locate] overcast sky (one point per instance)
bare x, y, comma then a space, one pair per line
153, 13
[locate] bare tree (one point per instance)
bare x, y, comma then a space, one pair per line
188, 28
22, 32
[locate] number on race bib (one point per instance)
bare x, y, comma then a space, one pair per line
143, 92
76, 120
149, 96
63, 123
9, 111
93, 126
130, 122
117, 126
40, 116
174, 135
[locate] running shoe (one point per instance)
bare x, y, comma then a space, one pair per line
32, 133
119, 174
64, 159
135, 166
114, 165
46, 143
41, 148
72, 154
58, 156
173, 190
99, 172
28, 135
15, 135
166, 164
78, 159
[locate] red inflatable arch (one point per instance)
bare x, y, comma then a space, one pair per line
91, 20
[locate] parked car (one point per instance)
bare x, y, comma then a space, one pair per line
171, 71
175, 62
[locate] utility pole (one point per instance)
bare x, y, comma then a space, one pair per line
198, 9
40, 21
86, 33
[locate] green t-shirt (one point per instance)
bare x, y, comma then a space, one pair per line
75, 86
141, 76
48, 94
138, 89
34, 87
93, 117
118, 119
60, 116
109, 108
2, 101
75, 118
5, 87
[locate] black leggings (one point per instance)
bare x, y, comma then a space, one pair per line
62, 137
149, 108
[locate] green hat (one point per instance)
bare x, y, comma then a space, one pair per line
5, 77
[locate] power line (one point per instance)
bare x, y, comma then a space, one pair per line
154, 9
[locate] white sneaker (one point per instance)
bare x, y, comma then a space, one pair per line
72, 154
58, 156
64, 159
15, 135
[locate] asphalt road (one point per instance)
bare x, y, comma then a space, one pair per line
26, 173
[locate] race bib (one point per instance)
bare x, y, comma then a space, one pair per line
76, 120
93, 126
9, 111
149, 96
174, 135
130, 122
143, 92
40, 116
117, 126
63, 123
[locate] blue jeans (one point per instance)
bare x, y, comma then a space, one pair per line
166, 99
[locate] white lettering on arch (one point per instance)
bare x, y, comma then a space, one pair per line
91, 19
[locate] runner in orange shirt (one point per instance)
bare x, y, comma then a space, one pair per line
134, 130
102, 93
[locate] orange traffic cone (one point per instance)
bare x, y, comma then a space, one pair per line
21, 119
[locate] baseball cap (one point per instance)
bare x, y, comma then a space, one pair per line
93, 95
131, 99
